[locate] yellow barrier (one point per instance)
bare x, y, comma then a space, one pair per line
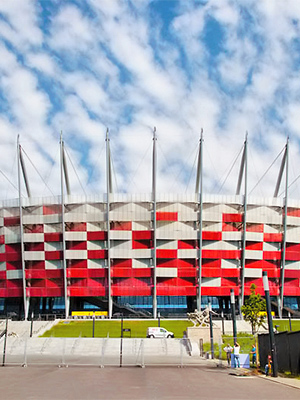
89, 313
264, 314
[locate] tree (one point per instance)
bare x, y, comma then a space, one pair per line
254, 309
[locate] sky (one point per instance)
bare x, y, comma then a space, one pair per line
82, 67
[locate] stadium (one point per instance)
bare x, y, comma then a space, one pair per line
147, 254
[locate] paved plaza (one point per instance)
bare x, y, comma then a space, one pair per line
202, 382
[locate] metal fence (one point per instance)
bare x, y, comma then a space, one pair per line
288, 351
99, 352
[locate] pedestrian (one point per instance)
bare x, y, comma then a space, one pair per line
253, 352
228, 351
236, 354
268, 366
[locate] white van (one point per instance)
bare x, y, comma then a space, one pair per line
159, 333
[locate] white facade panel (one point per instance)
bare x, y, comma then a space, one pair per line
211, 282
14, 274
255, 236
141, 263
75, 217
76, 236
95, 264
230, 263
167, 244
52, 219
253, 254
121, 235
90, 217
141, 253
220, 245
272, 246
34, 255
253, 272
96, 245
231, 236
53, 246
120, 253
76, 254
166, 272
33, 219
187, 253
121, 244
294, 265
53, 264
33, 237
211, 216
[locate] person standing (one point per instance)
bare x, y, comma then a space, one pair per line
228, 351
236, 354
253, 352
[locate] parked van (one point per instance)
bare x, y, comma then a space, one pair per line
159, 333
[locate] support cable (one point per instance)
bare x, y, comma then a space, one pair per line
8, 180
255, 170
231, 168
192, 170
182, 169
138, 167
114, 171
268, 169
74, 170
36, 170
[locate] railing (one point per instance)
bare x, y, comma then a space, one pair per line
98, 352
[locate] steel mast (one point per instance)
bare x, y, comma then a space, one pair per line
154, 174
109, 192
199, 199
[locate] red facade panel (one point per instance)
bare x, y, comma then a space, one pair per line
222, 254
97, 236
211, 272
76, 245
11, 221
142, 244
77, 273
53, 255
272, 255
273, 237
142, 235
166, 216
163, 253
211, 235
97, 273
187, 244
121, 225
130, 291
53, 237
232, 217
97, 254
254, 245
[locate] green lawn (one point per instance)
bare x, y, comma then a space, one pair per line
113, 328
284, 325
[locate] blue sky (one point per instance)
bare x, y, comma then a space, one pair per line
81, 67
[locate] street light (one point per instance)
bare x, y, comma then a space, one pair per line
211, 332
232, 305
270, 324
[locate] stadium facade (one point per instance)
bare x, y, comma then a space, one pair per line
150, 253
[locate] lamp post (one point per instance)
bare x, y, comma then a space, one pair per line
31, 324
94, 324
211, 332
222, 317
290, 321
232, 305
121, 342
270, 324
